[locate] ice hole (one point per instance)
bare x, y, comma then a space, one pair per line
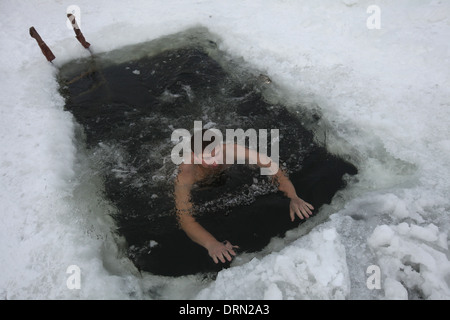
129, 101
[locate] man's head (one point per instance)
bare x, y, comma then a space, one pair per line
204, 156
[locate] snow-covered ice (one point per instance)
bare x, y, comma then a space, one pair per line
384, 98
318, 260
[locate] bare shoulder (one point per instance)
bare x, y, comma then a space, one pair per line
229, 148
236, 151
186, 174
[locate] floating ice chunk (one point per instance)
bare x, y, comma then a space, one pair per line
152, 243
209, 125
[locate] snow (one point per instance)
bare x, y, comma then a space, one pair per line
416, 251
384, 98
282, 275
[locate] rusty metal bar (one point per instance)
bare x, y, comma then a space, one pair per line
44, 48
78, 33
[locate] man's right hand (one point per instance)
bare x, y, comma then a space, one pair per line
219, 251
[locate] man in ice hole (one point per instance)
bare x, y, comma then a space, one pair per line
210, 164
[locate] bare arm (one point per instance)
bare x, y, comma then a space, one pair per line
217, 250
297, 206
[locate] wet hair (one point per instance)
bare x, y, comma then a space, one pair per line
204, 143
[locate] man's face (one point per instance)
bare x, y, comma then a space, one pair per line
210, 160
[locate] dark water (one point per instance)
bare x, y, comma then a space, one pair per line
128, 110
